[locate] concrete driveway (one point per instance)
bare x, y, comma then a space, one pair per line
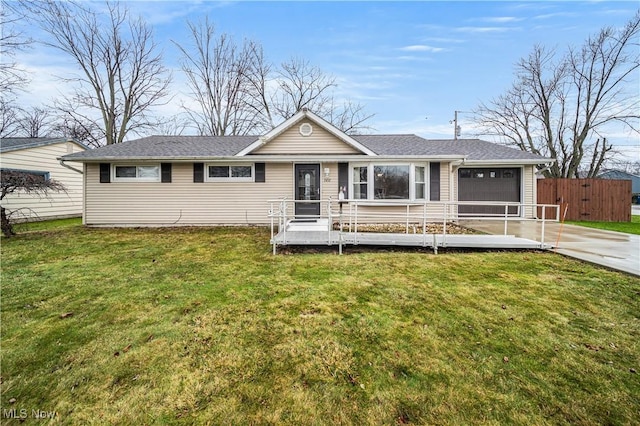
614, 250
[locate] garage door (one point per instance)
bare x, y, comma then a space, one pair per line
499, 184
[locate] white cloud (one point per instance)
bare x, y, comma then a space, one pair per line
412, 58
422, 48
556, 15
167, 12
483, 30
445, 40
499, 19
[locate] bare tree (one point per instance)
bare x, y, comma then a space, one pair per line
301, 84
260, 97
218, 73
12, 77
121, 71
9, 118
174, 125
350, 117
85, 132
35, 122
627, 166
564, 107
13, 181
235, 90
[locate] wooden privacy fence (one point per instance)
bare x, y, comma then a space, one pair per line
606, 200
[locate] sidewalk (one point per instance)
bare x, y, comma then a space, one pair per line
614, 250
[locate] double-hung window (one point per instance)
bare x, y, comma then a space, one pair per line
145, 173
228, 172
419, 182
360, 180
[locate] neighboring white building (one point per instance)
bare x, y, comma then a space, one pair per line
40, 156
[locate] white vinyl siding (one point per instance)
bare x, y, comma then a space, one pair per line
530, 187
319, 142
183, 202
44, 159
445, 182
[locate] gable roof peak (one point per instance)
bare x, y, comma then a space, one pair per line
305, 113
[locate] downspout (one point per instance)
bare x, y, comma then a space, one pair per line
453, 167
69, 167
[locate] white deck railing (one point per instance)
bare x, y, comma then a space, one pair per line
351, 213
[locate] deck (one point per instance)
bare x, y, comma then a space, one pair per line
317, 234
289, 230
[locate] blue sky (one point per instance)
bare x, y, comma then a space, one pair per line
410, 63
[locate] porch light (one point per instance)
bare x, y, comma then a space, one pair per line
327, 171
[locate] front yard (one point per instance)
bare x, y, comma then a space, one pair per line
184, 326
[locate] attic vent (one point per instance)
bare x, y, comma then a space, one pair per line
306, 129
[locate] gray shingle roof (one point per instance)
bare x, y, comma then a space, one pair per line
159, 147
472, 149
207, 147
13, 144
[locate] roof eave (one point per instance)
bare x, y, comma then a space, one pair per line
509, 162
43, 143
269, 158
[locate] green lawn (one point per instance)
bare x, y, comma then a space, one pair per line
205, 326
632, 227
47, 225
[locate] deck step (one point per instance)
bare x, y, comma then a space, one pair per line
308, 225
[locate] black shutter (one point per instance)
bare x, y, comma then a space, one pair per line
260, 172
105, 172
165, 172
343, 178
198, 172
434, 181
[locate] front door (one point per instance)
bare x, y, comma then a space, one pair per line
307, 190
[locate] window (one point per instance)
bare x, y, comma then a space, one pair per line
31, 176
360, 179
465, 173
240, 172
391, 182
419, 182
394, 181
149, 173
